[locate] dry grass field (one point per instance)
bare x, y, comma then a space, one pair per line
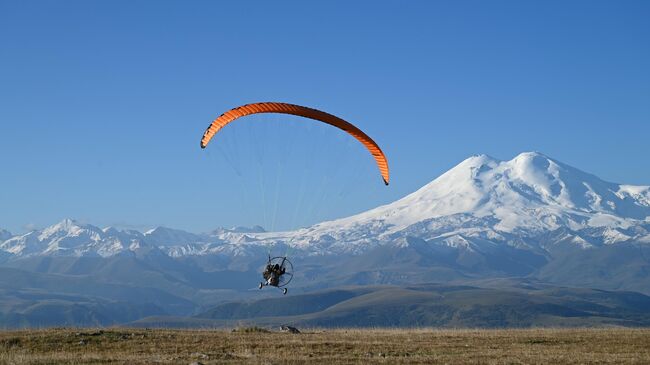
419, 346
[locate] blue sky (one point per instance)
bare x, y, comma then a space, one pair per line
103, 102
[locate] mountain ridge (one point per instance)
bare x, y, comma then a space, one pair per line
481, 197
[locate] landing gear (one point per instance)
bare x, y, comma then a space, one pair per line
277, 272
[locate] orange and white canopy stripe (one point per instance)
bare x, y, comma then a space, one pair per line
284, 108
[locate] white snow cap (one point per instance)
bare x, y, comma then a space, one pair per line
530, 191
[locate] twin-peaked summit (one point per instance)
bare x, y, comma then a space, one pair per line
531, 191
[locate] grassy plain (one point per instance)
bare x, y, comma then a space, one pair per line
389, 346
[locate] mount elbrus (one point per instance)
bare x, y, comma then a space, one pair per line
530, 217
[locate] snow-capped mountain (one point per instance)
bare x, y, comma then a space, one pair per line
480, 202
70, 238
531, 191
482, 196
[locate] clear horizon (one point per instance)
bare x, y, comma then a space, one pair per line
104, 103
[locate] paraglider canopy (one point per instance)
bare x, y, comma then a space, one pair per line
285, 108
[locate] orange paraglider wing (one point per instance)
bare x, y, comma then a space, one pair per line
284, 108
